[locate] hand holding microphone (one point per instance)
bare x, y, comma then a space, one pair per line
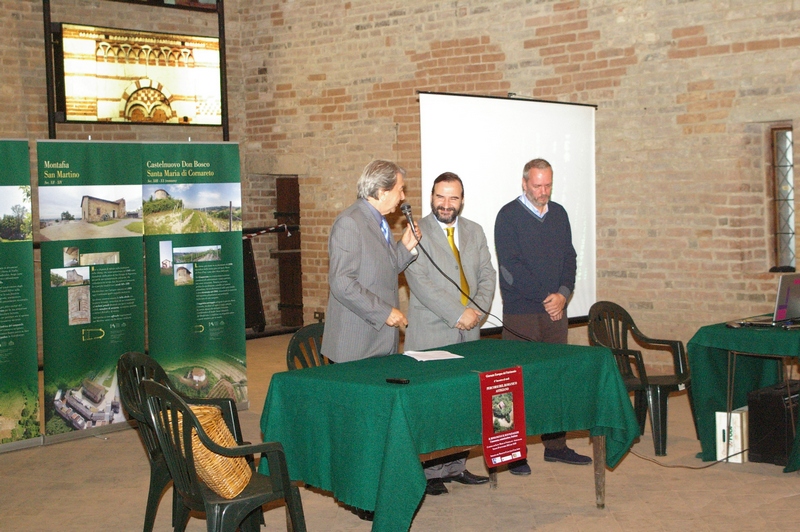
412, 234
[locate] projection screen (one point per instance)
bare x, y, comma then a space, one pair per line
488, 140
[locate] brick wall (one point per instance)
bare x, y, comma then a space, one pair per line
685, 93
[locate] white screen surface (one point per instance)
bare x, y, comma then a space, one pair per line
487, 141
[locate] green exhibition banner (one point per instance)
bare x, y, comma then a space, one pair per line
19, 380
121, 224
90, 205
195, 283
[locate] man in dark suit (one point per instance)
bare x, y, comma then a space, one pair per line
363, 317
438, 312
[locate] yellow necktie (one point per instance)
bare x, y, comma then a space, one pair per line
464, 284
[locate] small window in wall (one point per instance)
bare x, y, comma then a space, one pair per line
782, 164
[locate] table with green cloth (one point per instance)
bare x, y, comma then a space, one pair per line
346, 430
709, 351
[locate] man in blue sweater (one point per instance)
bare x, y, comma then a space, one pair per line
537, 263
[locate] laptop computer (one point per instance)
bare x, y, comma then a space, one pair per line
787, 304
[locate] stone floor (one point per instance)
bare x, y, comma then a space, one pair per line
100, 484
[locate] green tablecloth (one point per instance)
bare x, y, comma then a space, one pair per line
708, 363
348, 431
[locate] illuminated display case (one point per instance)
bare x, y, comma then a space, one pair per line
117, 75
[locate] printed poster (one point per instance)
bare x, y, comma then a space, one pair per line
195, 283
90, 210
503, 414
104, 206
19, 381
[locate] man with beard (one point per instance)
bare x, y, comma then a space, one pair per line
439, 311
537, 265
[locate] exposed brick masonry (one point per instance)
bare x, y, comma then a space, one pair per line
686, 93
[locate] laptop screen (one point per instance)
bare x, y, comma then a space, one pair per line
787, 303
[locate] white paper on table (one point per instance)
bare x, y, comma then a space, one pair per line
424, 356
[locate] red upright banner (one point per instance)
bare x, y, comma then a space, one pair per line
503, 413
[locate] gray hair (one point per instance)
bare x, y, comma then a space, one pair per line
539, 164
377, 176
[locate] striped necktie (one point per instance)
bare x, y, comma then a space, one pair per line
464, 284
385, 230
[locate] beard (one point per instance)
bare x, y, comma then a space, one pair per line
445, 216
539, 201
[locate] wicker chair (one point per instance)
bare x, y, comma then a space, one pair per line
174, 422
132, 368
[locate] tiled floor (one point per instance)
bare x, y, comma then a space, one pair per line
100, 484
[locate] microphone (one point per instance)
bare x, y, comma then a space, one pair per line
405, 208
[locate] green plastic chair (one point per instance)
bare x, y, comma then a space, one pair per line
165, 408
132, 369
304, 348
609, 326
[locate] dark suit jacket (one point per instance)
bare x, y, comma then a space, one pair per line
435, 303
362, 275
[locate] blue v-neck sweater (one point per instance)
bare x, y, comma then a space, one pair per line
535, 255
